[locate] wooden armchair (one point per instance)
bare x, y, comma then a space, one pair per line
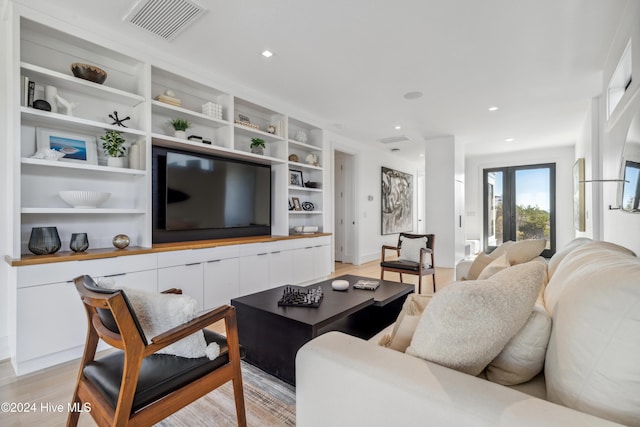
134, 386
416, 257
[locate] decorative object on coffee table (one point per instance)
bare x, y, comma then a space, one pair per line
79, 242
121, 241
293, 296
44, 240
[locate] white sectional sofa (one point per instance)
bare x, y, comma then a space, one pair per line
591, 373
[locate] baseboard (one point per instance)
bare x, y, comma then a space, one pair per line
374, 256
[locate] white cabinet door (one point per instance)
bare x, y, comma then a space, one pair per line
50, 318
187, 277
303, 265
221, 279
254, 273
280, 268
322, 261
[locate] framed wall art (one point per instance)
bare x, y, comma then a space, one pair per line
397, 201
295, 178
75, 147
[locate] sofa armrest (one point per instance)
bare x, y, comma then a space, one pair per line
345, 381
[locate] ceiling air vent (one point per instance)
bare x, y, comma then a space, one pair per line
164, 18
394, 139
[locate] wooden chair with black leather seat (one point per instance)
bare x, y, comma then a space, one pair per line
412, 259
134, 386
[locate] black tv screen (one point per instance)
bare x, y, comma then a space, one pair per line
198, 197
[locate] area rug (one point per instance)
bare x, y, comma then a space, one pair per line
268, 402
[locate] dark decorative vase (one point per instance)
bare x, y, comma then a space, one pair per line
79, 242
44, 240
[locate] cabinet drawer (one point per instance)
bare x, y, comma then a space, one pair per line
190, 256
64, 271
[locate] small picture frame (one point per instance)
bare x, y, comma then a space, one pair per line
295, 178
296, 204
76, 147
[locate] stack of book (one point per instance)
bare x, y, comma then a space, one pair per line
27, 91
169, 100
369, 285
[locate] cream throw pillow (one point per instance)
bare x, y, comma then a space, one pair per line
562, 253
467, 324
479, 263
496, 265
410, 250
400, 337
525, 250
523, 356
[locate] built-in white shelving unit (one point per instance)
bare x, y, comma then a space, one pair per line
138, 90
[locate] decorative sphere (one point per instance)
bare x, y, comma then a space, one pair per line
121, 241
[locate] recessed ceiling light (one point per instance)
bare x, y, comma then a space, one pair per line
509, 139
413, 95
494, 108
267, 54
397, 127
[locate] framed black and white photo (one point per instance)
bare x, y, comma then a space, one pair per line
75, 147
295, 178
397, 201
296, 204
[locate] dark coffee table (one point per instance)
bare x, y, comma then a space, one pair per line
272, 335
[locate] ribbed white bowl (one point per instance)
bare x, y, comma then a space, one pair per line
84, 199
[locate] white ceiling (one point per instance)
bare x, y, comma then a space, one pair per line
348, 63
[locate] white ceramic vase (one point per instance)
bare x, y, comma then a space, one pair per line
115, 162
180, 134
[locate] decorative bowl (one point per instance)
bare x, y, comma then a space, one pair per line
306, 229
84, 199
89, 72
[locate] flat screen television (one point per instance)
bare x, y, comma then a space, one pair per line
200, 197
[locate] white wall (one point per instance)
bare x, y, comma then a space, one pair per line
620, 227
563, 157
368, 163
444, 199
588, 147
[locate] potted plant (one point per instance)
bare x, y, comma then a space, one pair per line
257, 145
180, 126
114, 148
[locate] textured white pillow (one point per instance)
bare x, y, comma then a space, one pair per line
592, 362
523, 356
410, 250
496, 265
157, 313
525, 250
502, 248
467, 324
400, 337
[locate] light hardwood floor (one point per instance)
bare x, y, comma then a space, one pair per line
45, 390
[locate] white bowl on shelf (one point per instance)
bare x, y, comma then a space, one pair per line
84, 199
306, 229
